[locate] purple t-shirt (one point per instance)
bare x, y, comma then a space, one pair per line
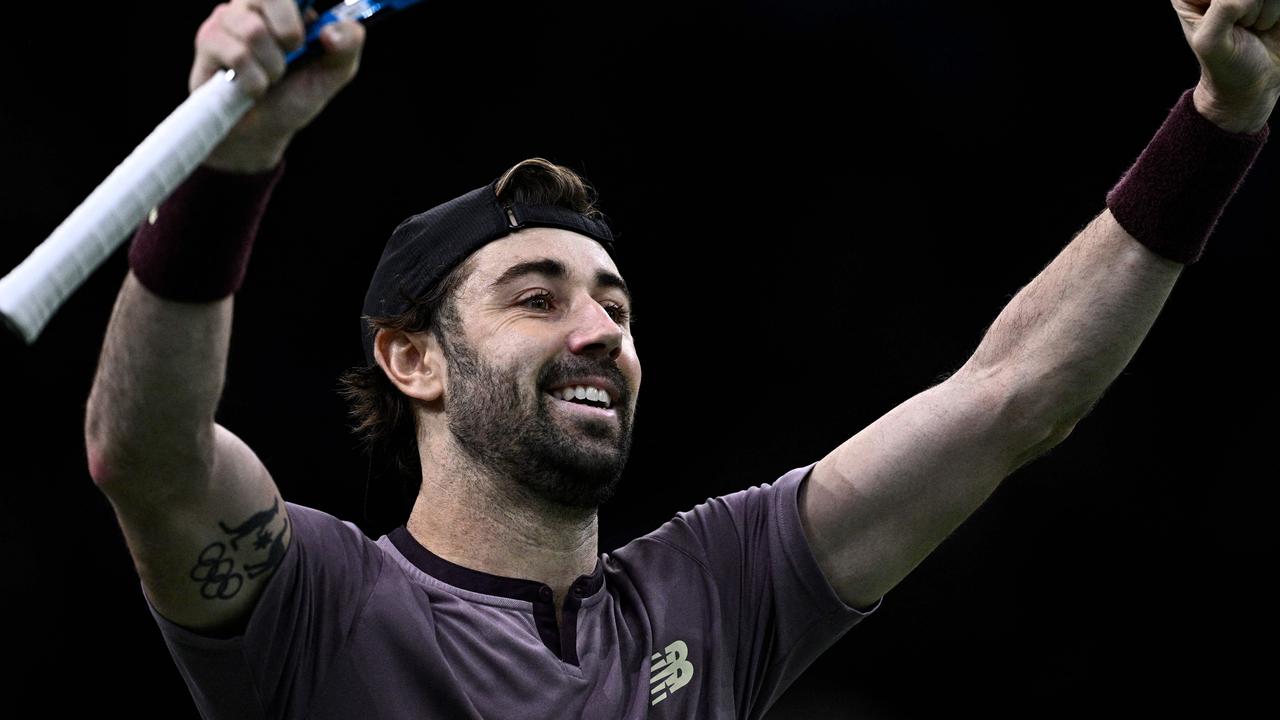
712, 615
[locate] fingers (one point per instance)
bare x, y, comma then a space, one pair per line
255, 51
342, 43
249, 37
1222, 15
1219, 22
1268, 17
284, 22
1253, 8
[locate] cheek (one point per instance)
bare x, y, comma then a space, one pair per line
633, 370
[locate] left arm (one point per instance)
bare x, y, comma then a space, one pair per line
884, 499
877, 505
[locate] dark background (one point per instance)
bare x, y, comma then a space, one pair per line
821, 206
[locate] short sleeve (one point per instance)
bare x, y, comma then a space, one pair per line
779, 608
296, 631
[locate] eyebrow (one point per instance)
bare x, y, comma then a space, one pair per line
553, 268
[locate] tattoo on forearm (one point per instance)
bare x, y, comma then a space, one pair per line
217, 573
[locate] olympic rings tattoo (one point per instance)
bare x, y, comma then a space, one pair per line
215, 571
215, 568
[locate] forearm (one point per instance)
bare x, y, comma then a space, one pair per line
159, 378
163, 361
1066, 335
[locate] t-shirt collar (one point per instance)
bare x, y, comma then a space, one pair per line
485, 583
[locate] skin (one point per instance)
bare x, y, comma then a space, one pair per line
878, 504
511, 479
872, 509
252, 37
1237, 43
176, 479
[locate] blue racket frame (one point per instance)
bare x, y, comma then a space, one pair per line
361, 10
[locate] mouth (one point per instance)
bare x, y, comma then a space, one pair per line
585, 408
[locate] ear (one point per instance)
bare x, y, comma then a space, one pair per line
414, 362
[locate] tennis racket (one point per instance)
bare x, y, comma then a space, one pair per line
33, 291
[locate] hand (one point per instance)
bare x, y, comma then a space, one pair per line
1238, 45
252, 37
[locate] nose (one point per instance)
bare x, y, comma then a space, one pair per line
594, 330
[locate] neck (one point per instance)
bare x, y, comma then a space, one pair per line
472, 518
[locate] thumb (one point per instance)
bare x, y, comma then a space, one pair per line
342, 41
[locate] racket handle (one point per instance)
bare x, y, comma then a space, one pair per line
37, 287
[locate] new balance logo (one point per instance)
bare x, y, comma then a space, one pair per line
670, 673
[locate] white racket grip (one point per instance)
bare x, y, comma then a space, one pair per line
39, 285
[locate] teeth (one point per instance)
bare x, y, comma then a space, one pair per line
582, 392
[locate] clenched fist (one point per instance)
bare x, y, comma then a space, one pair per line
1238, 45
252, 38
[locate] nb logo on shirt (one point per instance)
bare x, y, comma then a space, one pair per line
670, 673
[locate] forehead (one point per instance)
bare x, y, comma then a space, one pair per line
582, 257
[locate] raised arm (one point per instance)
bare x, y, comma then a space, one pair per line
203, 519
878, 504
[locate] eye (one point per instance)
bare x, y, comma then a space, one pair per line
619, 313
541, 297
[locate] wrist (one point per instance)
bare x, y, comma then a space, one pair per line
196, 245
1171, 198
1247, 118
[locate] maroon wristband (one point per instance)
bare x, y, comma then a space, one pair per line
196, 245
1172, 197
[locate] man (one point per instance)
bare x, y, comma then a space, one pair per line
492, 601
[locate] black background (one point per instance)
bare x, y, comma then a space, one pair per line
821, 207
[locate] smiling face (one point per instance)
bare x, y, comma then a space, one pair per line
544, 309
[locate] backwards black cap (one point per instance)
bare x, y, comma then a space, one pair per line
425, 247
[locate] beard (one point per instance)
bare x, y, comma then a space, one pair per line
571, 461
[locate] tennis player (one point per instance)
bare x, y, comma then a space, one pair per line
503, 377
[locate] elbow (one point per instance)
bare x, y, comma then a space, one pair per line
97, 464
95, 449
106, 465
1046, 407
102, 455
1061, 420
1037, 444
152, 479
119, 468
1049, 434
1035, 420
1063, 430
1056, 434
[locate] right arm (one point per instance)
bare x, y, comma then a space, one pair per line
202, 517
171, 473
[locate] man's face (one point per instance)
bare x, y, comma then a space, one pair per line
530, 327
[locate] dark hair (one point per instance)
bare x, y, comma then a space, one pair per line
541, 182
383, 416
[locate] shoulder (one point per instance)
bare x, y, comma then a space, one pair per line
735, 518
325, 540
324, 526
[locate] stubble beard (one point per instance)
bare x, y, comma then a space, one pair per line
569, 461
